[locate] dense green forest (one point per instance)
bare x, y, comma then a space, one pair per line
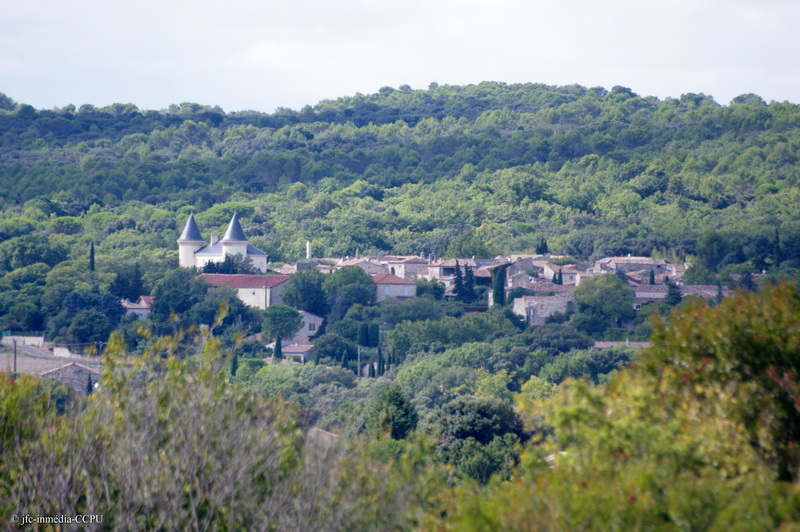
462, 413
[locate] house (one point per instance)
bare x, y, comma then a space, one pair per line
297, 351
259, 291
141, 308
371, 266
311, 325
75, 376
536, 309
407, 267
195, 253
389, 285
630, 264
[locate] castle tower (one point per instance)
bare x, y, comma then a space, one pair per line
190, 241
234, 242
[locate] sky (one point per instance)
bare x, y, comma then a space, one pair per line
264, 54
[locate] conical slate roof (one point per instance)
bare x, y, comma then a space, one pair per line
191, 233
235, 233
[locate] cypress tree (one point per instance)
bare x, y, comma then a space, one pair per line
469, 284
652, 277
541, 247
371, 371
499, 286
278, 353
91, 257
458, 282
560, 277
234, 365
363, 334
89, 387
381, 366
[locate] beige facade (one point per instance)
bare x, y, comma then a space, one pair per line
389, 285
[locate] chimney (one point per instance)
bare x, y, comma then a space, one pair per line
214, 239
308, 250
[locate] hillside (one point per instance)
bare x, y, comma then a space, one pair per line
595, 172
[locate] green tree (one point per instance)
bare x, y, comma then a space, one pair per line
304, 291
281, 321
605, 298
391, 413
674, 295
741, 350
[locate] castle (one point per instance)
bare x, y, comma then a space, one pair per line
195, 253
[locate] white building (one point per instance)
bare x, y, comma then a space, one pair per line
259, 291
195, 253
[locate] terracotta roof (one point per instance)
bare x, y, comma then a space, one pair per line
388, 278
241, 280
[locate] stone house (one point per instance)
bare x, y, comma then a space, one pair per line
75, 376
536, 309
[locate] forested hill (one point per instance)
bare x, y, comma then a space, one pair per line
596, 172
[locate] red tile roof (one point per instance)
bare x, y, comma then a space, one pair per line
241, 280
388, 278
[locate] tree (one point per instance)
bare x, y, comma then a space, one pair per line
346, 287
391, 413
541, 247
739, 360
128, 282
458, 281
674, 295
281, 321
652, 277
332, 349
499, 285
469, 285
304, 291
91, 257
89, 326
606, 298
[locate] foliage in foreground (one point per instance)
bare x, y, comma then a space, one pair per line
163, 447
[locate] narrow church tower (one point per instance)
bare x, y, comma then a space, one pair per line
234, 242
190, 241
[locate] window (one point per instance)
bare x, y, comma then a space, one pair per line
405, 290
386, 290
312, 327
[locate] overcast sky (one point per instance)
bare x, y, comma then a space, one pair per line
264, 54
